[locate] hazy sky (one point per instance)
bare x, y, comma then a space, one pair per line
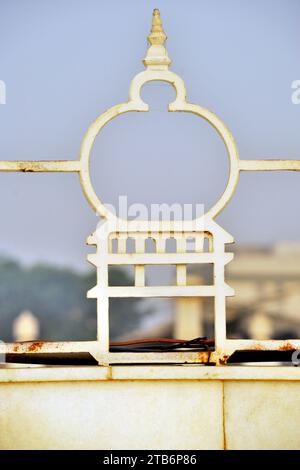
65, 61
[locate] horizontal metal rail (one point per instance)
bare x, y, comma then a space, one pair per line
40, 166
153, 259
269, 165
75, 165
158, 291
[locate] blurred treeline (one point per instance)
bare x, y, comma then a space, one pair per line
57, 298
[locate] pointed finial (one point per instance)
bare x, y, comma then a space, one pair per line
157, 35
157, 56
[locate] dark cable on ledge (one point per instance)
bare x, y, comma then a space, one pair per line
162, 345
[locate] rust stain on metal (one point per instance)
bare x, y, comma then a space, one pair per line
287, 347
28, 346
223, 360
36, 346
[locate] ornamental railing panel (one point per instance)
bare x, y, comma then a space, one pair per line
157, 63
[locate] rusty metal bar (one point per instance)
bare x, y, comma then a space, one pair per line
40, 166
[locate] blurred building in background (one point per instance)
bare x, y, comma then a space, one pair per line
266, 304
267, 284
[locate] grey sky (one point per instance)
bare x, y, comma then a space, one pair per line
66, 61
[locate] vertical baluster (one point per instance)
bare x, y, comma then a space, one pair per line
110, 244
199, 242
160, 244
103, 301
122, 238
140, 269
220, 298
181, 268
210, 243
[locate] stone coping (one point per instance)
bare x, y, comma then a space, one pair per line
146, 372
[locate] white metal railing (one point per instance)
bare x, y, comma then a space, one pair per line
157, 64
